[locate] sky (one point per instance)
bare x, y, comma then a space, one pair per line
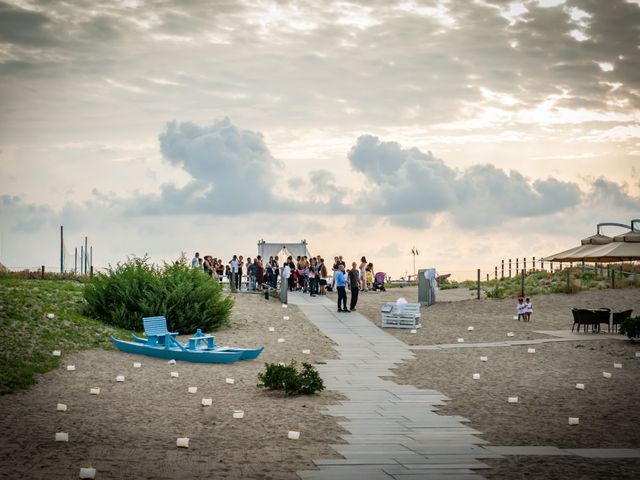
473, 131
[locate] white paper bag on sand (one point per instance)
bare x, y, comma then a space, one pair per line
120, 378
461, 340
513, 399
171, 362
61, 407
230, 381
531, 350
272, 329
137, 365
413, 330
51, 316
238, 414
193, 390
207, 402
476, 376
617, 365
606, 374
94, 391
470, 329
579, 386
281, 340
56, 353
62, 437
293, 435
510, 334
284, 305
175, 374
182, 442
574, 420
484, 359
306, 351
88, 472
71, 368
285, 317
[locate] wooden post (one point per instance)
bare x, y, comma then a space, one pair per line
478, 284
509, 268
75, 262
524, 263
613, 276
522, 283
496, 274
81, 261
541, 264
487, 277
551, 266
502, 270
91, 271
61, 249
517, 267
533, 264
42, 272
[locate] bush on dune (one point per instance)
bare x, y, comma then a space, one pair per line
135, 289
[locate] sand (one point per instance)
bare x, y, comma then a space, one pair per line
449, 318
544, 382
130, 429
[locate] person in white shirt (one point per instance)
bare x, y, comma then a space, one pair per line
528, 309
195, 262
234, 264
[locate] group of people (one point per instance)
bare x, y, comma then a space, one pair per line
524, 309
308, 275
258, 274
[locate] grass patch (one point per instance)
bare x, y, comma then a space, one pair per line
27, 336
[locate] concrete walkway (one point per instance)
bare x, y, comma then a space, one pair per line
394, 430
560, 336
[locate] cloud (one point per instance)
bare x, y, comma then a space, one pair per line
410, 185
232, 170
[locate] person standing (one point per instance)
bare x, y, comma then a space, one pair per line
354, 285
234, 272
239, 275
195, 262
341, 286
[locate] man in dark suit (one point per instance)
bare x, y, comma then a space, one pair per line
354, 285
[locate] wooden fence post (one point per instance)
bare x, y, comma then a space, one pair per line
502, 271
509, 268
42, 272
522, 283
478, 284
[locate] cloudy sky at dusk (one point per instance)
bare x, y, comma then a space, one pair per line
474, 130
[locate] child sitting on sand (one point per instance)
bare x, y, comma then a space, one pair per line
520, 308
528, 309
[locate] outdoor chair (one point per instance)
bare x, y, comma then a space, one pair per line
155, 328
618, 317
582, 316
602, 315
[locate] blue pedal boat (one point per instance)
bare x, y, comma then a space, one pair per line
200, 348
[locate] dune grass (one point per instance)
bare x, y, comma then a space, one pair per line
28, 337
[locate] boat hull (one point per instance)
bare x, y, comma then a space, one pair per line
245, 353
197, 356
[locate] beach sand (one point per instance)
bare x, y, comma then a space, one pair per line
491, 318
544, 382
130, 429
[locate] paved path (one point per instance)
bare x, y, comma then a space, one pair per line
560, 336
395, 432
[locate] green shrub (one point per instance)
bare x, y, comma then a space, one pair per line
631, 327
136, 289
498, 291
448, 284
290, 379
